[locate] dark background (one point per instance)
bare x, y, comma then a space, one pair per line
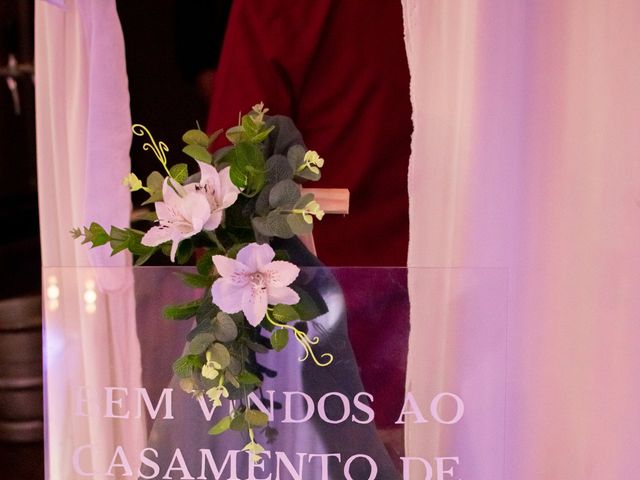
168, 45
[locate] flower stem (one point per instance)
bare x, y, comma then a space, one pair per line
306, 342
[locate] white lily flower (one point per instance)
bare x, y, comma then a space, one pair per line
186, 211
253, 281
218, 189
181, 215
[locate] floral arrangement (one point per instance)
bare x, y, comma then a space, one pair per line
245, 195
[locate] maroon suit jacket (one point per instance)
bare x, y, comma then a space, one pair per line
338, 68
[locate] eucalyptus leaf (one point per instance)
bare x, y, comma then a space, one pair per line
231, 378
155, 181
202, 327
220, 354
224, 328
257, 347
196, 137
235, 134
284, 194
298, 225
179, 172
200, 343
235, 366
277, 224
262, 206
304, 200
198, 152
278, 169
295, 155
260, 226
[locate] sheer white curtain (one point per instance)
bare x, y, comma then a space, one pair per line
83, 138
526, 156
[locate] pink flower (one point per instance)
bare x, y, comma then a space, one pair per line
218, 189
181, 215
253, 281
186, 211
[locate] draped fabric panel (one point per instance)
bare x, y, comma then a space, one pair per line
83, 139
525, 157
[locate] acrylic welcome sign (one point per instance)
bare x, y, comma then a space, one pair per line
117, 409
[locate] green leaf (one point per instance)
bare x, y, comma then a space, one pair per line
184, 366
214, 136
247, 167
196, 137
195, 280
224, 328
247, 378
295, 155
154, 184
233, 251
279, 339
278, 169
257, 347
220, 354
235, 366
200, 343
198, 152
202, 327
142, 259
204, 264
179, 172
239, 424
284, 194
259, 137
230, 377
298, 225
256, 418
182, 311
235, 134
118, 240
155, 181
278, 225
238, 177
96, 235
221, 427
309, 308
249, 126
207, 309
184, 252
260, 227
284, 313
